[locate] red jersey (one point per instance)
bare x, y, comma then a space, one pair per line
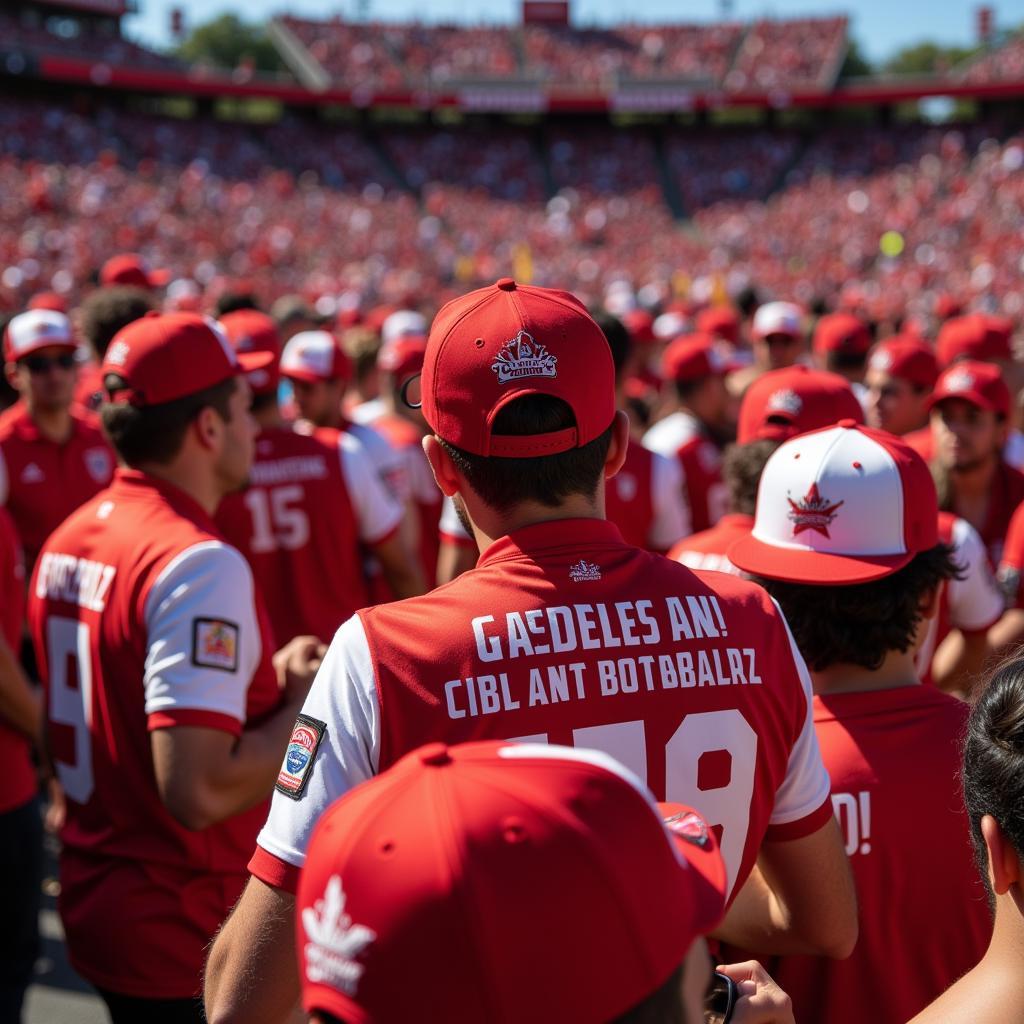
1011, 565
89, 387
709, 549
423, 489
312, 502
894, 759
565, 634
18, 780
682, 437
42, 483
922, 443
144, 619
1006, 493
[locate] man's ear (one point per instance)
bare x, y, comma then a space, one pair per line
1004, 868
208, 427
620, 445
442, 466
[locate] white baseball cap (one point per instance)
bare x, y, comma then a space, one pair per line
36, 329
778, 318
313, 356
402, 323
846, 504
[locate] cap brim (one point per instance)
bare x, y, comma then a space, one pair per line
973, 397
250, 361
708, 896
70, 345
158, 278
822, 568
308, 376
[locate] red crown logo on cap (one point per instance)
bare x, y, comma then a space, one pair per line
812, 512
521, 357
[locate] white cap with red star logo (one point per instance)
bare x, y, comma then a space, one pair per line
841, 505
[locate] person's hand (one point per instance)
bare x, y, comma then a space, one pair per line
57, 808
296, 665
761, 1001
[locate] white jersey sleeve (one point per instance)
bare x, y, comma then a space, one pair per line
388, 461
975, 602
378, 512
343, 697
806, 785
671, 519
202, 633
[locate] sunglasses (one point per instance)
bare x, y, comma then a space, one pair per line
43, 364
720, 1001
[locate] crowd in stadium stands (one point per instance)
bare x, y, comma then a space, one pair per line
798, 53
1002, 64
79, 39
767, 55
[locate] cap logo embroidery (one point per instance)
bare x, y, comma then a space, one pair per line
786, 400
960, 381
690, 827
812, 512
117, 353
584, 571
334, 941
522, 356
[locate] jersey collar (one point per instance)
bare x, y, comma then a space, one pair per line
556, 535
178, 499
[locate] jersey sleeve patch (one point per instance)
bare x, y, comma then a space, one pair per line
215, 644
305, 740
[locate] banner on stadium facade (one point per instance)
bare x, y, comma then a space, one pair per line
545, 12
96, 6
651, 99
503, 99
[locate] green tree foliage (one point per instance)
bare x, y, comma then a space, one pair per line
856, 65
227, 41
927, 59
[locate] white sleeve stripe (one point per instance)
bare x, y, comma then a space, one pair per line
378, 514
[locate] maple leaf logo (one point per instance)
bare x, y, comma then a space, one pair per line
334, 941
812, 512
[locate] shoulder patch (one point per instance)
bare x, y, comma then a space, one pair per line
215, 644
305, 740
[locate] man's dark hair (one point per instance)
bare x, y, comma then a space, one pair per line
663, 1006
231, 302
994, 759
840, 362
548, 479
741, 470
107, 310
859, 624
686, 389
618, 337
155, 433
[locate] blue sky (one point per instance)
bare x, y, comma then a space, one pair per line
880, 26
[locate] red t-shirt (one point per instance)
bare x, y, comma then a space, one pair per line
18, 781
1011, 566
313, 501
565, 634
709, 548
1006, 494
921, 441
683, 437
143, 618
894, 759
42, 483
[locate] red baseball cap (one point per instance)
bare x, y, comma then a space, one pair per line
166, 356
403, 358
782, 403
130, 268
249, 331
313, 356
437, 892
975, 336
907, 358
720, 322
981, 384
843, 333
846, 504
38, 328
640, 325
500, 343
691, 357
48, 300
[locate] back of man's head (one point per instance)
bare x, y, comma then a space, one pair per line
107, 310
